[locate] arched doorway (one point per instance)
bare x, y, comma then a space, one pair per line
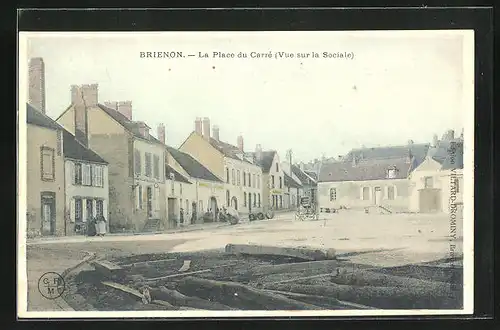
234, 203
213, 207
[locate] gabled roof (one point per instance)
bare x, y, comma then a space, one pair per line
228, 150
366, 170
75, 150
194, 168
290, 182
419, 151
312, 174
71, 147
266, 160
306, 181
177, 176
131, 126
449, 153
35, 117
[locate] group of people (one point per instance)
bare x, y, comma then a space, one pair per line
96, 226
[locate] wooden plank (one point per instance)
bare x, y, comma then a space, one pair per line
239, 295
301, 253
166, 277
323, 266
108, 269
124, 288
185, 266
142, 264
175, 298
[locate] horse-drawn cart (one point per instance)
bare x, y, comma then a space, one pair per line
306, 210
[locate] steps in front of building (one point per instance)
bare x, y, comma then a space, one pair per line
152, 225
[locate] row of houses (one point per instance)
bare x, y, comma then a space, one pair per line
95, 160
410, 178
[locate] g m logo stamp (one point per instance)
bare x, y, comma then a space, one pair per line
51, 285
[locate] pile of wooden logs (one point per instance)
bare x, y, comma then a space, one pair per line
315, 282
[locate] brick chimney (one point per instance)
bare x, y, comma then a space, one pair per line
197, 126
143, 129
125, 108
83, 97
215, 132
239, 143
112, 105
36, 81
161, 133
206, 128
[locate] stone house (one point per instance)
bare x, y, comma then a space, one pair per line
86, 184
369, 177
437, 183
45, 213
241, 177
308, 181
136, 159
192, 187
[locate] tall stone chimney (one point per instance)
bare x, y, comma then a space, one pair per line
258, 152
215, 132
125, 108
36, 81
83, 97
161, 133
197, 126
112, 105
206, 128
239, 143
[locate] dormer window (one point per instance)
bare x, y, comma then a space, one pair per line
391, 173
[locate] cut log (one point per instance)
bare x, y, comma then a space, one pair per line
176, 298
108, 269
135, 293
142, 264
240, 295
157, 281
300, 253
323, 266
349, 276
379, 297
327, 302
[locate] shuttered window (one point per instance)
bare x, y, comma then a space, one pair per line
147, 165
86, 175
156, 166
137, 162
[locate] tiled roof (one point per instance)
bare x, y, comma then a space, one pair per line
35, 117
301, 175
419, 151
75, 150
71, 147
312, 174
289, 182
228, 150
131, 126
177, 176
266, 160
366, 170
194, 168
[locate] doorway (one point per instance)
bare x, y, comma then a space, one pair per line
48, 200
172, 218
234, 203
213, 208
149, 203
249, 203
378, 195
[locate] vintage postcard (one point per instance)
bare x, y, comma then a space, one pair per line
225, 174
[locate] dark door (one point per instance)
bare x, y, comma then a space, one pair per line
48, 200
249, 203
90, 209
149, 204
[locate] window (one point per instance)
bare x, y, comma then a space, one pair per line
253, 178
180, 189
333, 194
233, 177
281, 183
147, 165
228, 197
244, 179
77, 175
172, 187
137, 161
139, 195
258, 196
86, 175
227, 175
78, 210
244, 199
272, 181
47, 163
390, 193
156, 167
391, 173
258, 181
277, 167
238, 179
249, 179
97, 172
366, 193
254, 200
99, 207
428, 182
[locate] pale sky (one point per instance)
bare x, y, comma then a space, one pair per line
398, 86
